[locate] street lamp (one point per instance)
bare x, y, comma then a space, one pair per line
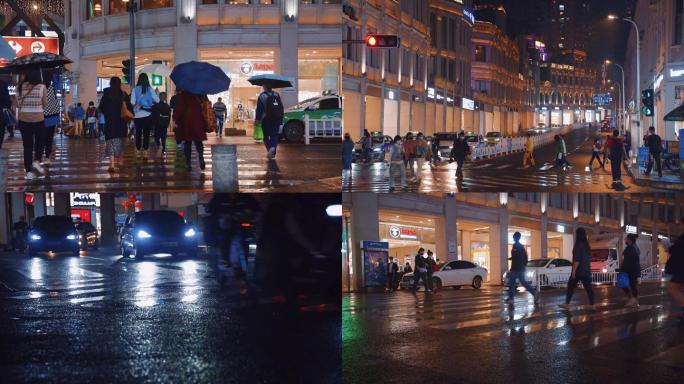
624, 91
638, 71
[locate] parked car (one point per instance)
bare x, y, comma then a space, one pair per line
550, 271
445, 141
377, 154
53, 234
161, 231
319, 108
87, 235
452, 274
493, 138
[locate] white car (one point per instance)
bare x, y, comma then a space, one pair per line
453, 274
550, 271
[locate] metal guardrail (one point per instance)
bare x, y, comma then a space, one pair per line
326, 128
513, 144
560, 279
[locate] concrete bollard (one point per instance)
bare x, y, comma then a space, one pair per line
224, 169
3, 170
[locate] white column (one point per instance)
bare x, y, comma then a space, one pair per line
536, 244
288, 58
445, 232
364, 226
85, 78
498, 248
466, 251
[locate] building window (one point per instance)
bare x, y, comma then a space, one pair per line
93, 8
209, 2
678, 22
480, 53
153, 4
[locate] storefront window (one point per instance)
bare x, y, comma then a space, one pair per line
317, 76
93, 8
117, 6
268, 2
209, 1
153, 4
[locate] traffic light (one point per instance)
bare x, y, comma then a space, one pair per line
382, 41
647, 101
126, 70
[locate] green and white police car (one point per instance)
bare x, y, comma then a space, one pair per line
317, 108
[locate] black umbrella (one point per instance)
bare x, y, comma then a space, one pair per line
37, 61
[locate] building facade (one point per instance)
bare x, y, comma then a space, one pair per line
299, 39
478, 227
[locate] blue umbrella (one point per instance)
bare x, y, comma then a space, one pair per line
200, 78
275, 81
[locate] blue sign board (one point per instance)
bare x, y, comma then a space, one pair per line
601, 99
365, 244
642, 158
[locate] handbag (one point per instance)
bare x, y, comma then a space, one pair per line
258, 132
8, 117
126, 113
209, 116
622, 280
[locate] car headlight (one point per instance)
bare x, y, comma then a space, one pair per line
377, 149
143, 235
35, 237
71, 237
529, 275
604, 270
190, 232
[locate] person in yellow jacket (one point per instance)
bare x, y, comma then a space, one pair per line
529, 151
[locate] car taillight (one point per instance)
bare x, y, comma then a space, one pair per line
246, 225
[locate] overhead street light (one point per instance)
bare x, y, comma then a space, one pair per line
624, 90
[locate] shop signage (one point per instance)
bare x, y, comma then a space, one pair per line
677, 71
394, 232
601, 99
246, 68
468, 104
85, 199
469, 15
630, 229
397, 232
24, 46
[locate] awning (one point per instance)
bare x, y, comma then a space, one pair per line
676, 114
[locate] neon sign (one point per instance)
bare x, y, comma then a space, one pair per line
469, 15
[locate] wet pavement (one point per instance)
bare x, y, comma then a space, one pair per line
470, 336
101, 318
503, 173
81, 165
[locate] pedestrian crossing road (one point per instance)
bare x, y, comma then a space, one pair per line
80, 164
472, 336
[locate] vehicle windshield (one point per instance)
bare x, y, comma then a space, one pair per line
304, 103
53, 223
538, 263
445, 139
493, 134
471, 139
159, 219
377, 138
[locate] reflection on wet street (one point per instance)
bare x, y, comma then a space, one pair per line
473, 336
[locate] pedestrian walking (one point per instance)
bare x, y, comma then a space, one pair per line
366, 147
191, 127
529, 151
420, 271
270, 113
79, 120
596, 150
617, 153
410, 146
561, 153
143, 99
655, 150
459, 150
430, 265
628, 142
407, 267
392, 272
581, 271
221, 113
31, 102
52, 118
675, 268
91, 120
630, 265
517, 272
347, 153
422, 149
161, 125
5, 109
434, 147
397, 165
115, 106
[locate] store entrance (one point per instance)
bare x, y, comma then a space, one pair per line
406, 234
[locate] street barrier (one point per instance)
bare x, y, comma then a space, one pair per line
560, 279
224, 169
321, 128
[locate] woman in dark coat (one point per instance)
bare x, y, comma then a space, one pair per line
675, 267
630, 266
190, 125
115, 128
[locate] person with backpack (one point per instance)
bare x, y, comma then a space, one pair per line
143, 99
115, 124
91, 120
269, 113
366, 147
392, 273
31, 102
161, 125
420, 272
422, 150
397, 165
52, 118
410, 148
517, 272
630, 265
459, 151
191, 126
675, 268
655, 150
347, 154
431, 265
220, 111
596, 150
617, 153
581, 271
79, 120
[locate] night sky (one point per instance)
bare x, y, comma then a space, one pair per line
608, 38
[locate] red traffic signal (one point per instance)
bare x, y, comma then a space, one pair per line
382, 41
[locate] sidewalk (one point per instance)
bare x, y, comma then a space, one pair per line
670, 180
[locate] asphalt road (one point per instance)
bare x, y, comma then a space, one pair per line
101, 318
469, 336
504, 173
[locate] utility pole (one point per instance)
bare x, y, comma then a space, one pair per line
132, 9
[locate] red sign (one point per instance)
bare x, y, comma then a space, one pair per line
83, 214
28, 198
409, 233
24, 46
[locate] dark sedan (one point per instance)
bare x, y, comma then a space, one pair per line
151, 232
53, 234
